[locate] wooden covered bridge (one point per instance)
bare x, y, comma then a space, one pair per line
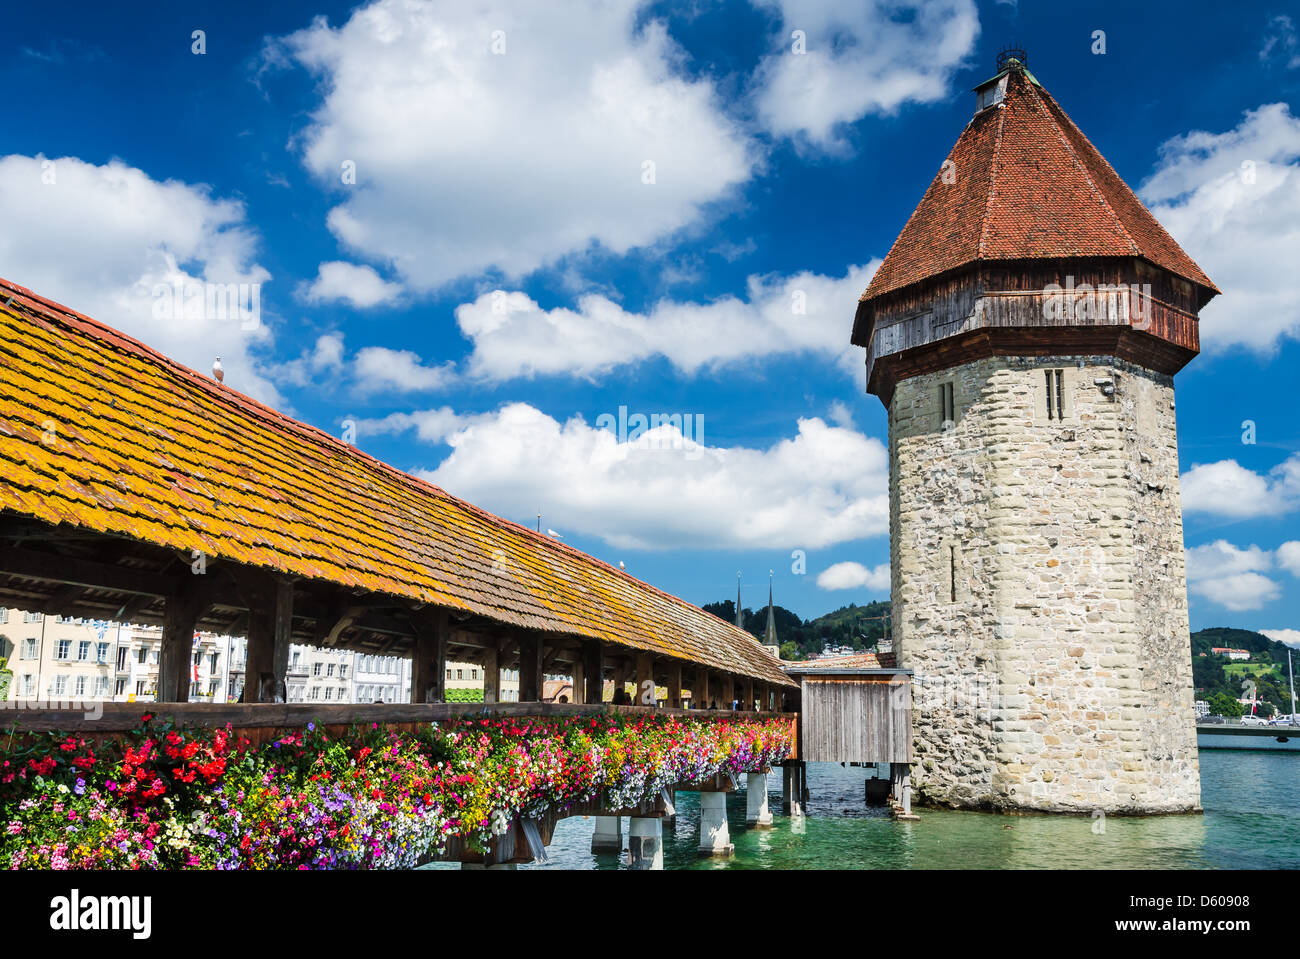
134, 489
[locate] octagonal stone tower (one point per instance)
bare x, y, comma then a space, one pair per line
1023, 333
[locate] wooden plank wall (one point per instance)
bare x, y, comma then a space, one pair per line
865, 719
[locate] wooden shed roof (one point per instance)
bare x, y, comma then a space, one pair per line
102, 435
1023, 182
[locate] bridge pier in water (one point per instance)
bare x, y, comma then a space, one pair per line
757, 813
608, 834
645, 843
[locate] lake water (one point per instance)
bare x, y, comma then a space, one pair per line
1251, 820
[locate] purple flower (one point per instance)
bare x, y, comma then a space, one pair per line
311, 727
80, 787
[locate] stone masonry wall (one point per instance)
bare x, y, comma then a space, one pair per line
1039, 590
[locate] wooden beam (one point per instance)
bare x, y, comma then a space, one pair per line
579, 686
747, 700
645, 681
593, 666
180, 616
68, 570
270, 620
701, 694
675, 684
429, 659
531, 654
728, 691
491, 676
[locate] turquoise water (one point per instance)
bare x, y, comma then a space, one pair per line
1251, 821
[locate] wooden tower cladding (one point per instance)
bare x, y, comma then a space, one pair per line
1023, 333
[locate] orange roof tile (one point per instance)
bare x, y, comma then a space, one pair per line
1025, 184
851, 661
145, 448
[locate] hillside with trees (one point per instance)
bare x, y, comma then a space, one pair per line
1217, 678
854, 626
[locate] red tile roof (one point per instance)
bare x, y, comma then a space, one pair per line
852, 661
147, 449
1026, 183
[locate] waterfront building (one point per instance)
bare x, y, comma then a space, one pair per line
1023, 334
1233, 654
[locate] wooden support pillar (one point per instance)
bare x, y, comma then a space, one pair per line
579, 687
531, 651
429, 660
747, 697
645, 682
180, 615
620, 678
700, 688
491, 675
728, 691
593, 666
675, 683
270, 623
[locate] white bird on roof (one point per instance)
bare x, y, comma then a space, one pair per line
620, 565
218, 371
551, 532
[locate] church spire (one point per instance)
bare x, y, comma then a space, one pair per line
769, 637
740, 613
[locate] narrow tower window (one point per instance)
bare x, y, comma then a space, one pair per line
952, 574
1055, 383
947, 411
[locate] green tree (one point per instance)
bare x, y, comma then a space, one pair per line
1222, 704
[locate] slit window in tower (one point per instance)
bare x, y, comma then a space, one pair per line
947, 412
952, 574
1055, 381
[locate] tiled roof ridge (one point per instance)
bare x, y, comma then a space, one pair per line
276, 419
1039, 93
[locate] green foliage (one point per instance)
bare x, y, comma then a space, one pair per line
464, 696
1222, 704
1266, 668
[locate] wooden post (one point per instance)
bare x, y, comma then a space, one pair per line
728, 691
429, 661
270, 622
700, 688
579, 687
675, 683
491, 675
747, 702
531, 650
620, 676
180, 615
645, 674
594, 668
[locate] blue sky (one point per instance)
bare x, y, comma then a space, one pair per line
559, 210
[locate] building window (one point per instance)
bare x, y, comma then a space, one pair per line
120, 688
121, 658
4, 615
59, 686
329, 692
139, 687
101, 652
947, 409
65, 648
141, 655
32, 617
460, 674
29, 649
315, 669
343, 671
329, 670
83, 650
29, 684
101, 685
80, 686
1055, 384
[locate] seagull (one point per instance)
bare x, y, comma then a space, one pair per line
218, 371
620, 565
551, 532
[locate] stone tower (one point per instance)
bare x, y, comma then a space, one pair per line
1023, 334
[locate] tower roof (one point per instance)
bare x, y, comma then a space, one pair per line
1023, 182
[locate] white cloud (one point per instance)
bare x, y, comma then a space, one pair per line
1231, 577
861, 58
325, 356
1281, 43
467, 160
350, 283
104, 239
824, 485
1290, 637
1232, 200
803, 313
377, 369
1226, 488
1288, 557
855, 576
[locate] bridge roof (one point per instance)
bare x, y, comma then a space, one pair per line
104, 437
